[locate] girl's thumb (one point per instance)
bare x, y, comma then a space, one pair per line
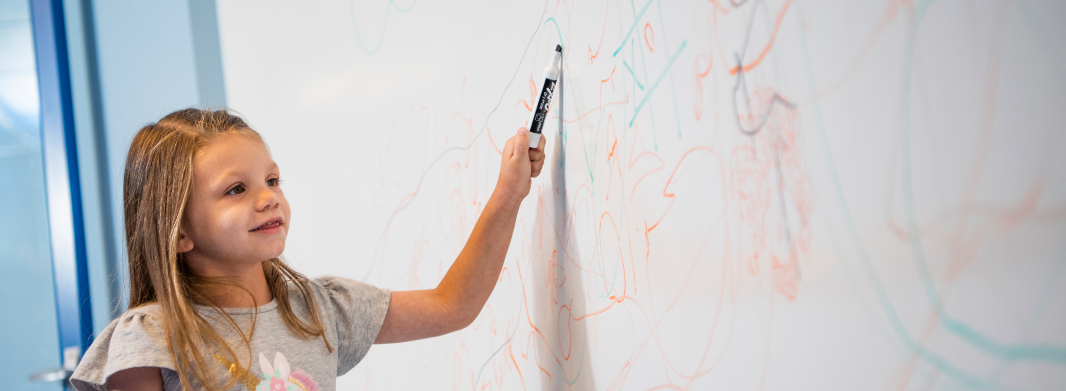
521, 143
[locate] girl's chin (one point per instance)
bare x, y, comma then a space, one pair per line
274, 254
271, 253
271, 247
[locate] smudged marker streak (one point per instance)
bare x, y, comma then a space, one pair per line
564, 238
766, 49
410, 197
741, 86
740, 68
536, 331
775, 100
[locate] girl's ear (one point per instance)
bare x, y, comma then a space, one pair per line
184, 243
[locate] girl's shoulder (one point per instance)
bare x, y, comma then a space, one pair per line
134, 339
332, 292
353, 309
140, 324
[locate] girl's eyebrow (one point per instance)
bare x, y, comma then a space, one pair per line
224, 178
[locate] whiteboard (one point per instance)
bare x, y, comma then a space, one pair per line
738, 195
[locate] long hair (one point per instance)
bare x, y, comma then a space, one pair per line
156, 190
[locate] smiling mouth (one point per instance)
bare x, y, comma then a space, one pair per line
268, 225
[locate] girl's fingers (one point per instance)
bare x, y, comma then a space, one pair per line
536, 162
536, 156
521, 144
508, 148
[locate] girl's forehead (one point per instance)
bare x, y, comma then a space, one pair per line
230, 150
230, 142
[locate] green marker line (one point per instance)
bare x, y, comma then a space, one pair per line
633, 74
657, 81
384, 26
1010, 352
673, 85
1013, 352
631, 28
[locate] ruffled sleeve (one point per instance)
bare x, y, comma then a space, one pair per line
359, 310
135, 339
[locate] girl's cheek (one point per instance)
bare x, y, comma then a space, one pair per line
229, 220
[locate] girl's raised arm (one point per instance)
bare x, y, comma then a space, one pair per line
136, 379
459, 297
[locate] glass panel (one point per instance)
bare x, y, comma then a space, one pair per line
28, 335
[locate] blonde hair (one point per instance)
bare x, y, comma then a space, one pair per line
157, 185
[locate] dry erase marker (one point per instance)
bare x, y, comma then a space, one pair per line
551, 75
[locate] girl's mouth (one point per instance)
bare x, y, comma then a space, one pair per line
271, 226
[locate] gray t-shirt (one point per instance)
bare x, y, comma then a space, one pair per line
351, 311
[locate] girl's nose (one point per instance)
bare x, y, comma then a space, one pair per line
267, 200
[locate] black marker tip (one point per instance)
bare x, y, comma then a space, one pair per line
558, 48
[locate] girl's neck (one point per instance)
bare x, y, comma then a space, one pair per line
232, 297
250, 278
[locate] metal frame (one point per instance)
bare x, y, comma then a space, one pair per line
65, 222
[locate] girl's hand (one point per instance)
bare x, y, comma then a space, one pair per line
520, 163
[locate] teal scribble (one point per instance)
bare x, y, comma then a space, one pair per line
651, 109
657, 81
1011, 353
960, 329
1032, 19
636, 21
624, 63
381, 38
882, 296
673, 85
1043, 301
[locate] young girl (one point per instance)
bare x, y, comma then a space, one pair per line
212, 306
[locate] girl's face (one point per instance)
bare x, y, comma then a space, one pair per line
237, 215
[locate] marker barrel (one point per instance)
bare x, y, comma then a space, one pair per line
540, 113
544, 102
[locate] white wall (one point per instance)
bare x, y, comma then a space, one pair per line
896, 223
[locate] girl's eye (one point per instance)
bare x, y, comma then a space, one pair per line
236, 190
273, 182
